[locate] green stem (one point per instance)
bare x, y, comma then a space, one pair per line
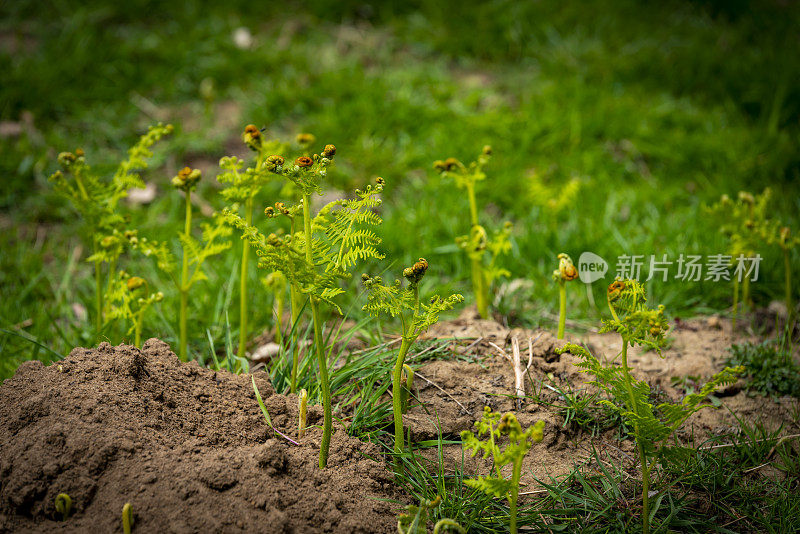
473, 205
98, 297
745, 293
562, 308
645, 491
397, 393
514, 495
323, 364
184, 288
137, 329
295, 301
645, 470
787, 270
479, 285
279, 316
248, 219
735, 303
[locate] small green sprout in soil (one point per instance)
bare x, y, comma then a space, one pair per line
769, 368
414, 520
482, 251
127, 518
493, 426
416, 316
315, 260
96, 200
637, 324
63, 505
566, 272
302, 400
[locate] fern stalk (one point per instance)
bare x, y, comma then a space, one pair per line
478, 278
562, 308
295, 301
640, 446
787, 281
248, 217
184, 288
323, 364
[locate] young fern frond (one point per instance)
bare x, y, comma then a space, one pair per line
316, 259
477, 244
95, 199
638, 324
416, 317
493, 426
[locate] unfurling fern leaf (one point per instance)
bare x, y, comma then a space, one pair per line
638, 324
403, 301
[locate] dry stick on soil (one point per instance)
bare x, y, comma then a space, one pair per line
519, 373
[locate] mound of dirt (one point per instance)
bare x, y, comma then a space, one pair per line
187, 447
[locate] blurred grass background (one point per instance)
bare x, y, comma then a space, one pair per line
655, 107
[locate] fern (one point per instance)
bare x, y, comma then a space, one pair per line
494, 426
638, 324
403, 301
130, 298
317, 258
96, 199
482, 251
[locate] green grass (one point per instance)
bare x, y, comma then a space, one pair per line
656, 108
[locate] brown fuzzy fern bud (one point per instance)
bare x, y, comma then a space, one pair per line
615, 290
487, 150
252, 137
451, 163
269, 211
380, 181
329, 151
304, 162
186, 179
415, 273
281, 207
79, 153
439, 165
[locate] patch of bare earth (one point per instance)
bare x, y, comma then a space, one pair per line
187, 447
456, 390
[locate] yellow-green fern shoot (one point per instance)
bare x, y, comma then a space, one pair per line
63, 505
638, 324
566, 272
482, 250
493, 426
415, 315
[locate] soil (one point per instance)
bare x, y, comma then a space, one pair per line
187, 447
190, 450
698, 349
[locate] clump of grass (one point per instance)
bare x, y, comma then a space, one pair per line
482, 250
638, 324
416, 316
769, 368
493, 426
